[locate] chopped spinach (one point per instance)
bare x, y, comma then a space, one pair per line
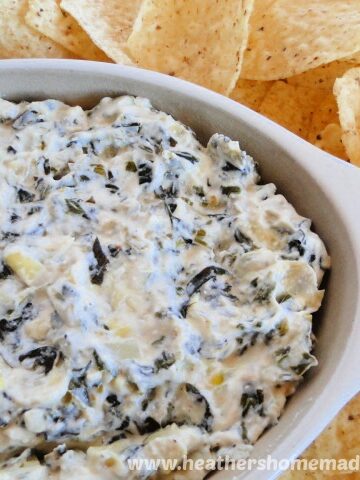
114, 250
25, 196
42, 357
145, 173
252, 398
230, 167
208, 417
75, 207
131, 167
244, 240
113, 400
12, 323
98, 272
5, 271
187, 156
194, 285
78, 386
149, 425
29, 117
228, 190
164, 361
98, 361
202, 277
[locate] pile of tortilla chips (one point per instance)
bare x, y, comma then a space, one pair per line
339, 441
293, 61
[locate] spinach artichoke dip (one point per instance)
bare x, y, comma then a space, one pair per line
156, 299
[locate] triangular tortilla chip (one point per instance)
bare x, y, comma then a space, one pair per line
339, 441
330, 140
107, 22
322, 77
18, 40
347, 92
47, 17
288, 37
198, 40
326, 112
250, 93
290, 106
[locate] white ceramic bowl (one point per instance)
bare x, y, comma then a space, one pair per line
320, 186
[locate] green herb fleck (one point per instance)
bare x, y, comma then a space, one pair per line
230, 189
165, 361
75, 207
131, 167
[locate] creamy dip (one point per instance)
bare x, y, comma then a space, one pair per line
156, 299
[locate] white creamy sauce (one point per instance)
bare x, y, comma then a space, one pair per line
156, 300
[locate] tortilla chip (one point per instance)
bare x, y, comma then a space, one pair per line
107, 22
340, 440
330, 140
250, 93
290, 106
47, 17
198, 40
322, 77
18, 40
326, 112
347, 92
354, 59
288, 37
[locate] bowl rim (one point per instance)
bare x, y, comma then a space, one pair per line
323, 167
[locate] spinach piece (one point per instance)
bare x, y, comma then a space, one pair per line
75, 207
131, 167
296, 245
263, 293
228, 190
114, 250
244, 240
164, 362
59, 174
297, 242
98, 362
187, 156
203, 277
199, 191
46, 165
131, 127
43, 357
208, 417
24, 196
145, 173
29, 117
194, 285
252, 399
97, 274
113, 188
113, 400
5, 271
78, 386
150, 395
230, 167
11, 324
149, 425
